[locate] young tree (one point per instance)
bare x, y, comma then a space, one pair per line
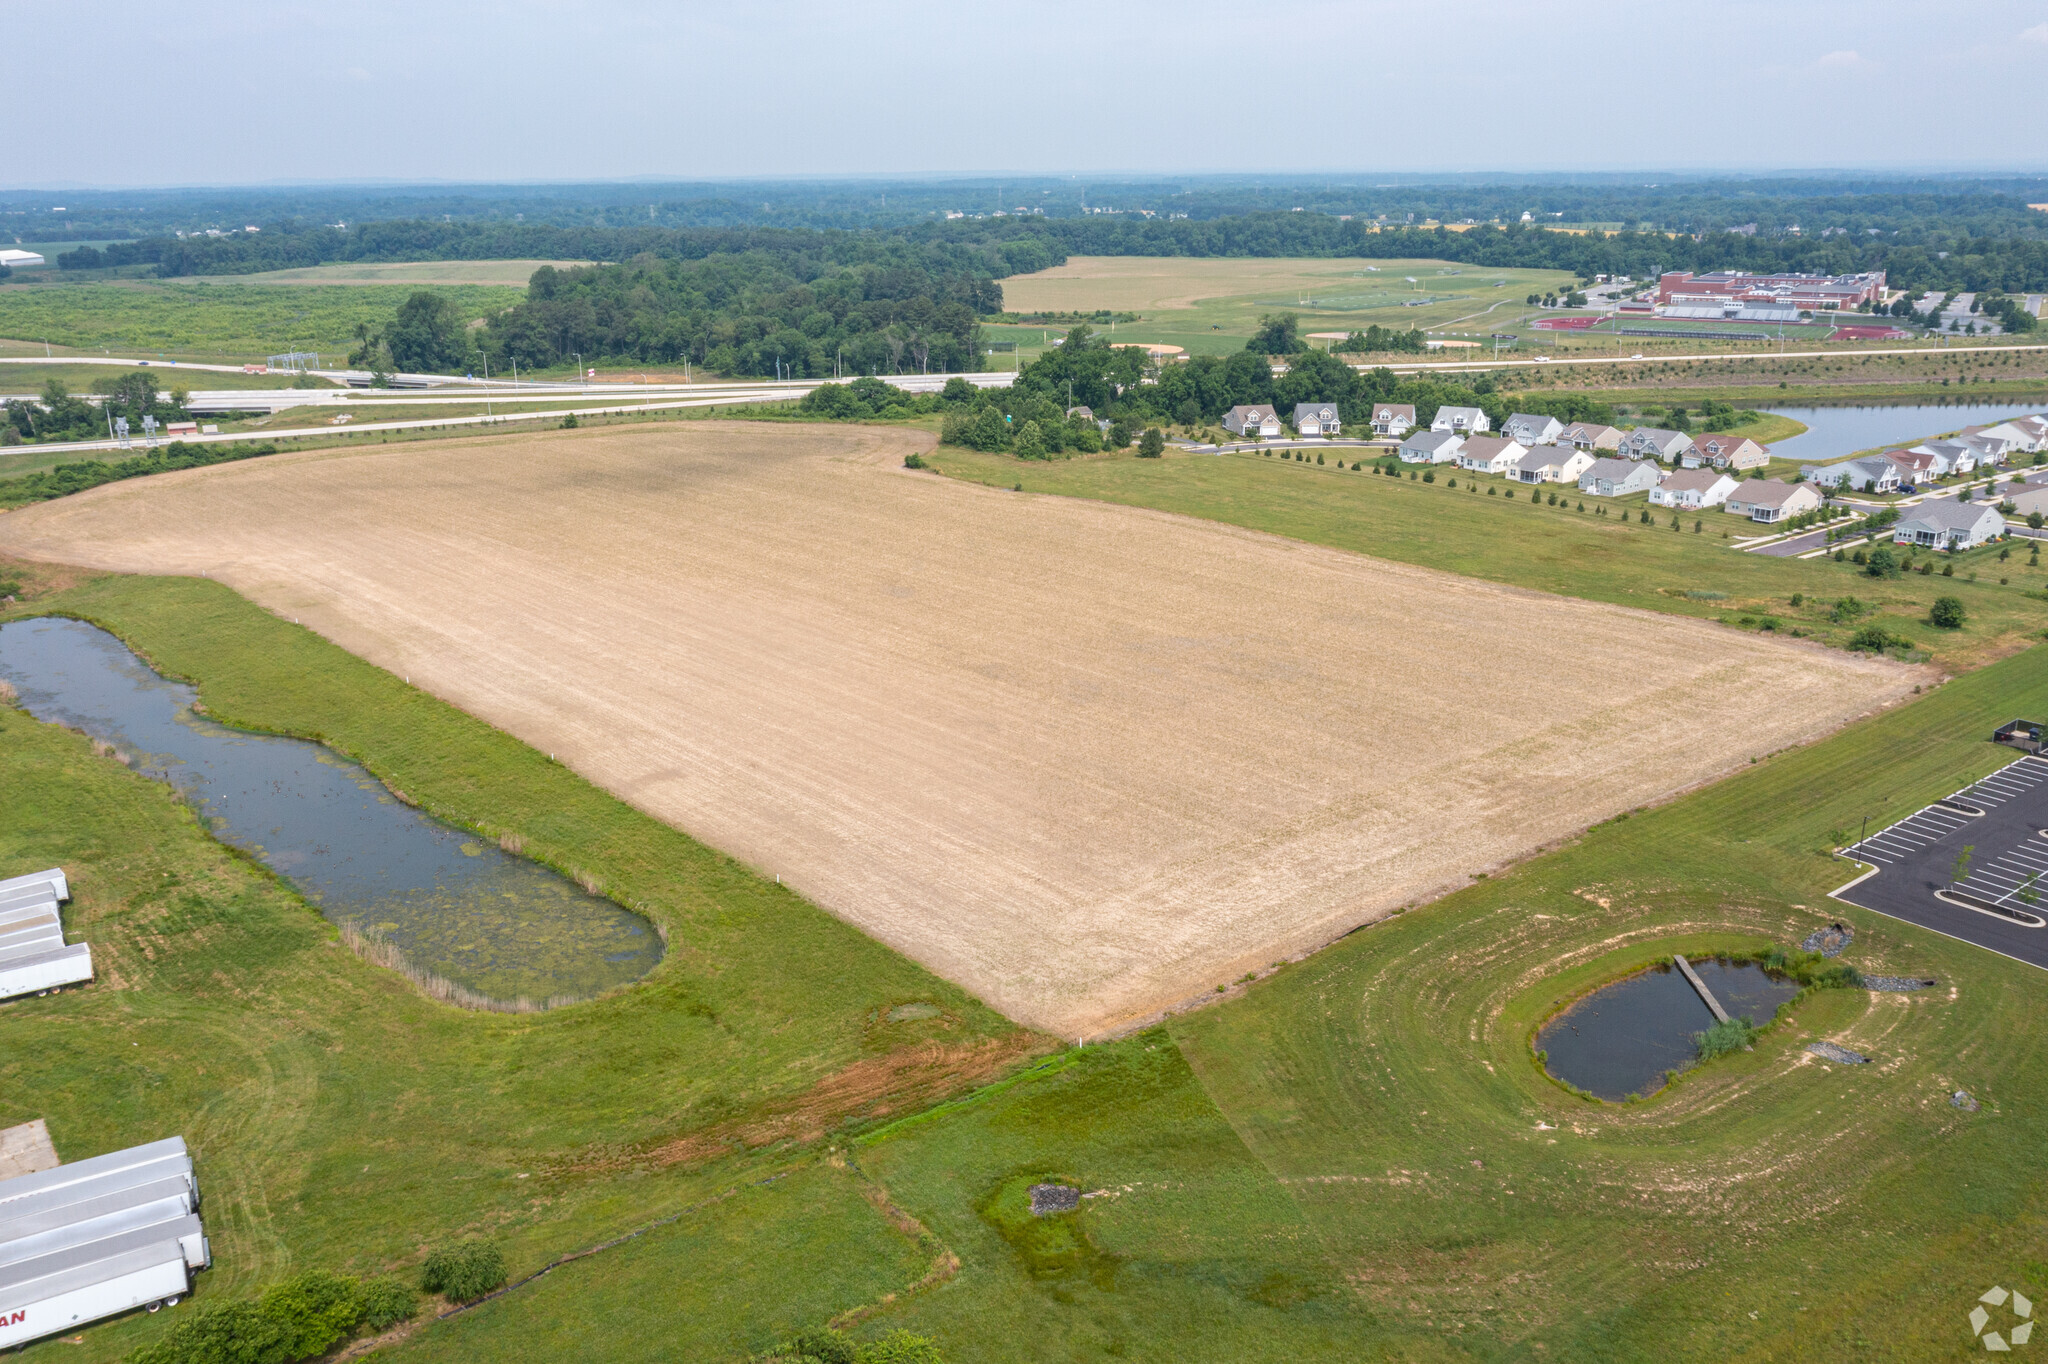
1947, 612
1152, 445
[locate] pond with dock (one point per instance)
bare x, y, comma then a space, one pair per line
1624, 1039
502, 929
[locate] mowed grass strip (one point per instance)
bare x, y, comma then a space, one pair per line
341, 1120
1552, 549
1358, 1156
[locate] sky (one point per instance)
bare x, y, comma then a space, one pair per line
126, 93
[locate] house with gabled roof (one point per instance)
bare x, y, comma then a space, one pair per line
1256, 419
1619, 477
1551, 464
1693, 489
1393, 419
1466, 421
2026, 434
1316, 419
1768, 499
1490, 454
1949, 525
1864, 474
1726, 452
1961, 455
1431, 447
1918, 466
1532, 428
1654, 442
1590, 436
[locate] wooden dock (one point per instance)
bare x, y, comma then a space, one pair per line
1713, 1004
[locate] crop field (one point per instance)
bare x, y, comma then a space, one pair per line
1087, 762
214, 322
1213, 305
504, 272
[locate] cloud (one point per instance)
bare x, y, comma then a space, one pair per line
2037, 34
1848, 59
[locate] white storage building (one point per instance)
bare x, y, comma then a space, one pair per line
96, 1238
33, 955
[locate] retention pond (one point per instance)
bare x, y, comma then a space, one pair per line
506, 931
1622, 1039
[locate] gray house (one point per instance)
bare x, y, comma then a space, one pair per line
1532, 428
1256, 420
1870, 474
1393, 419
1619, 477
1654, 442
1317, 419
1431, 447
1949, 525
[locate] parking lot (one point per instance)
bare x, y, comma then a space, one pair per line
2000, 901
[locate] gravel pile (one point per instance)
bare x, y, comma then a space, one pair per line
1896, 984
1828, 941
1841, 1056
1048, 1199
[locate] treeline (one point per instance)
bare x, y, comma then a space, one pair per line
67, 479
60, 415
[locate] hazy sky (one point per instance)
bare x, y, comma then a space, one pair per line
121, 93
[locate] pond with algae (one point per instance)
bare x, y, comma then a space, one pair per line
495, 925
1621, 1040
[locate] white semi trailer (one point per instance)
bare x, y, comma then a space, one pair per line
33, 954
98, 1237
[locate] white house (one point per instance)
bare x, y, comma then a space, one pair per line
1767, 499
1393, 419
1995, 444
1532, 428
1868, 474
1654, 442
1693, 489
1961, 456
1491, 454
1431, 447
2029, 434
1726, 452
1619, 477
1317, 419
1590, 436
1552, 464
1918, 466
1256, 420
1465, 421
1949, 525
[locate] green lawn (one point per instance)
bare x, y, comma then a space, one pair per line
1554, 549
339, 1119
1358, 1158
217, 322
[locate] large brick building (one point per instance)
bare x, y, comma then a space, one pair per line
1817, 293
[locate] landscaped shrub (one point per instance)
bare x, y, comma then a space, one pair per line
1883, 563
1847, 609
914, 460
465, 1272
1876, 639
302, 1317
1947, 612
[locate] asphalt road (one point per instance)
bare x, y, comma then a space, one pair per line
1917, 857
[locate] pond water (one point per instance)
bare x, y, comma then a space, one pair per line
1621, 1039
453, 904
1834, 432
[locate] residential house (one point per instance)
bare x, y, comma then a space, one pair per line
1316, 419
1590, 436
1726, 452
1961, 456
1466, 421
1949, 525
1652, 442
1918, 466
1393, 419
1256, 420
2035, 429
1693, 489
1084, 412
1619, 477
1768, 499
1490, 454
1996, 445
1431, 447
1551, 464
1532, 428
1867, 474
2031, 502
2028, 435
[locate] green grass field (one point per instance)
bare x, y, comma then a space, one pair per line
343, 1121
513, 273
1553, 549
216, 322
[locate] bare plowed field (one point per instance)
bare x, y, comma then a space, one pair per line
1088, 760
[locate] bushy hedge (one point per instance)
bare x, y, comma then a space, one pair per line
465, 1272
304, 1316
67, 479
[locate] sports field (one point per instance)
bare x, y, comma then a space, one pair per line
1212, 305
1088, 761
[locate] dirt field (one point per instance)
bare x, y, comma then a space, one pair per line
1088, 760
